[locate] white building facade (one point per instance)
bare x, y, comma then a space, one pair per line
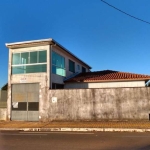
34, 68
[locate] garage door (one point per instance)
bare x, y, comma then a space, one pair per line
25, 102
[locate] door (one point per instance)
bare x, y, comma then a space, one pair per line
25, 102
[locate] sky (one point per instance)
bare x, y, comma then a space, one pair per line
98, 34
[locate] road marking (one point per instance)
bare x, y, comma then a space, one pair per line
56, 132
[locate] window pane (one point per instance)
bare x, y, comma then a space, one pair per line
16, 59
78, 67
36, 68
54, 69
53, 58
42, 56
33, 57
71, 66
24, 58
33, 106
29, 69
58, 71
83, 69
62, 62
22, 106
63, 72
58, 60
18, 70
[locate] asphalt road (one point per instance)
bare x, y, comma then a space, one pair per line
74, 141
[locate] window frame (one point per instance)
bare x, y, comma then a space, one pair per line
78, 67
83, 68
73, 63
28, 64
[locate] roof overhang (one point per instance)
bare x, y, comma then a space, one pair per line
25, 44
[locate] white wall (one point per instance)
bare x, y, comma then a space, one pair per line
104, 85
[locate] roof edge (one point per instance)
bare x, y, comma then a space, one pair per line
28, 42
118, 80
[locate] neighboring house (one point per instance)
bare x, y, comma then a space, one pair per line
106, 79
34, 68
3, 93
4, 87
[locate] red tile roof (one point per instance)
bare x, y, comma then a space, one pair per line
107, 75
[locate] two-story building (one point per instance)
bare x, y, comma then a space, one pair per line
34, 68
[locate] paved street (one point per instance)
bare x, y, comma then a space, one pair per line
10, 140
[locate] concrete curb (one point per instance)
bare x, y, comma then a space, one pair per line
77, 129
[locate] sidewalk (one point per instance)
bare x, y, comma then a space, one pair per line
131, 126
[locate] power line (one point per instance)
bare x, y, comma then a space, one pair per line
125, 12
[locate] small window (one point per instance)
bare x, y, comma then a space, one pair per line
33, 106
71, 66
57, 86
83, 69
22, 106
78, 66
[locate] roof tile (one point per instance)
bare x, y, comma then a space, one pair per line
107, 75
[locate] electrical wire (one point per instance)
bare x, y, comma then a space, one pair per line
125, 12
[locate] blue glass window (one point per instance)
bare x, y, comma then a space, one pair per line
16, 59
29, 69
29, 62
42, 56
71, 66
83, 69
24, 58
33, 57
58, 64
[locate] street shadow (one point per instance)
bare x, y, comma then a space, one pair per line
144, 148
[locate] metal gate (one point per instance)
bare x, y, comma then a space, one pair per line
25, 102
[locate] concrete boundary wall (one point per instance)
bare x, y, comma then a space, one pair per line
99, 104
3, 113
3, 104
